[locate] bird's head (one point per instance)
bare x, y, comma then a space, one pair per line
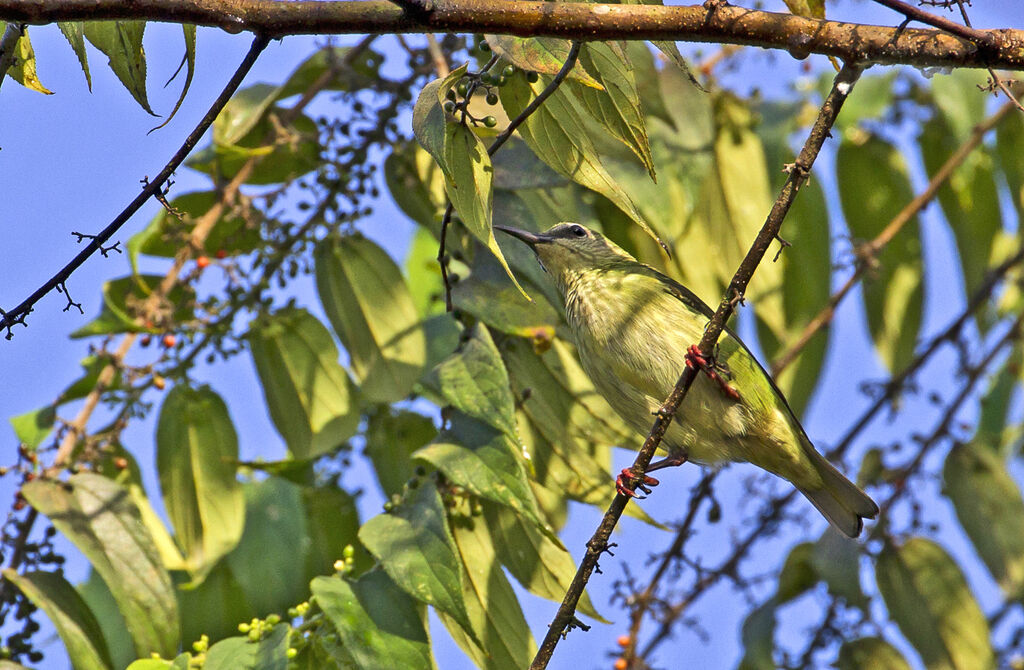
568, 250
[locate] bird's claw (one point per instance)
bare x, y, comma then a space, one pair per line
695, 359
642, 482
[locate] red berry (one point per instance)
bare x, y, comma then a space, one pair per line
620, 664
120, 462
202, 262
221, 253
145, 340
623, 640
169, 341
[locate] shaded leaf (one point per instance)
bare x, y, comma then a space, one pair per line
990, 509
544, 55
370, 308
416, 182
378, 623
415, 548
101, 603
196, 451
98, 516
929, 600
239, 653
870, 652
1009, 148
836, 560
392, 435
756, 636
309, 395
873, 187
123, 300
74, 621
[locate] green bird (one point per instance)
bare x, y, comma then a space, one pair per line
635, 329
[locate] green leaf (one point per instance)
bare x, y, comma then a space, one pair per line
121, 42
873, 188
122, 302
463, 158
500, 306
797, 575
218, 605
757, 638
378, 624
101, 603
239, 653
392, 435
474, 381
99, 517
811, 8
492, 604
188, 60
617, 108
557, 135
31, 428
989, 506
423, 274
310, 396
960, 99
332, 523
929, 600
74, 621
969, 199
873, 99
180, 662
544, 55
269, 561
836, 560
74, 33
544, 567
196, 452
484, 461
1009, 148
369, 305
23, 67
166, 233
646, 76
414, 546
417, 185
870, 652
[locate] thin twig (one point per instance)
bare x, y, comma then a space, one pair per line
979, 37
841, 87
18, 314
869, 250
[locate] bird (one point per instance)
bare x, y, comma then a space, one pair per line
635, 328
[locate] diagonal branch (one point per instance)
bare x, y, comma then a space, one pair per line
841, 87
980, 37
714, 21
17, 315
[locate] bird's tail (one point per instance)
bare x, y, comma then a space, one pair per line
839, 499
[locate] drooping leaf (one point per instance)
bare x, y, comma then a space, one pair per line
990, 509
484, 461
23, 68
557, 135
378, 623
115, 633
544, 568
309, 394
543, 55
960, 99
873, 187
74, 33
121, 42
74, 621
369, 305
391, 438
491, 603
646, 75
870, 652
240, 653
474, 381
99, 517
415, 548
332, 524
188, 61
929, 600
797, 574
196, 451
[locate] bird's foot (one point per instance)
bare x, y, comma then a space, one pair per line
642, 482
695, 359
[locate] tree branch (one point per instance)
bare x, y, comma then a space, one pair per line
715, 21
598, 544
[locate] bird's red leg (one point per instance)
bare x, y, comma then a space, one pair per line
643, 482
695, 359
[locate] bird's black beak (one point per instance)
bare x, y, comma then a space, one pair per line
532, 239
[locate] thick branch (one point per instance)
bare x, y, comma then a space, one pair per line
598, 544
713, 22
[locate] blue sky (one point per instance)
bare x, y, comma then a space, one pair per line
72, 160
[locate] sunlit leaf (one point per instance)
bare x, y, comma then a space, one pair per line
929, 600
870, 652
544, 55
873, 188
196, 451
188, 61
391, 438
380, 626
369, 305
309, 394
121, 42
415, 548
240, 653
75, 622
23, 68
74, 33
98, 516
31, 428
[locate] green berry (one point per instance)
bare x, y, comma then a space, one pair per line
490, 121
292, 652
502, 80
462, 88
484, 46
349, 551
509, 70
449, 107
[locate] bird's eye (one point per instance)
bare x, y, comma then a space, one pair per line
578, 231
